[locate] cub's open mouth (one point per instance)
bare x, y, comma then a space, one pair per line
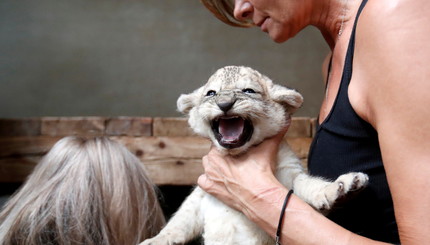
232, 132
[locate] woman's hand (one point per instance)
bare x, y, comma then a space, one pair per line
239, 181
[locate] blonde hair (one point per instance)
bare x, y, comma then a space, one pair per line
84, 191
224, 11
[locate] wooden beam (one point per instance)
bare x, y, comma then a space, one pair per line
172, 155
20, 127
26, 145
63, 126
129, 126
172, 126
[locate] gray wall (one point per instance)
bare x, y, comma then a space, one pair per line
133, 58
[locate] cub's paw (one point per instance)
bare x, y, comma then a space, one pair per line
351, 182
162, 239
321, 202
340, 187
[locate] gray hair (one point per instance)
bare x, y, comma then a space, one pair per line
84, 191
224, 11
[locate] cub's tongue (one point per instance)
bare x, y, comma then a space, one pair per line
231, 129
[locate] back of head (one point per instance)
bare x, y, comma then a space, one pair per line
84, 191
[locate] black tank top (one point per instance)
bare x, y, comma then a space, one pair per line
344, 142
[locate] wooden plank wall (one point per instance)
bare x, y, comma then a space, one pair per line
168, 148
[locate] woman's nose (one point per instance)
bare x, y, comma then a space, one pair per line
243, 10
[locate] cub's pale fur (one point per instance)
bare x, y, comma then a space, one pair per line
238, 108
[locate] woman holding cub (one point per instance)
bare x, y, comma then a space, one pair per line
374, 119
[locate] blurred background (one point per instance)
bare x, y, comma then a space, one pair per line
134, 57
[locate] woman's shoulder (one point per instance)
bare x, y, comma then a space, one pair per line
386, 26
391, 38
381, 14
393, 32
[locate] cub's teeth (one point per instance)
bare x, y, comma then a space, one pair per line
227, 117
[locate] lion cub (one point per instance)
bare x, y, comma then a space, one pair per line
238, 108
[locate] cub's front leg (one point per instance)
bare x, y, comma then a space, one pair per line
186, 224
318, 192
322, 194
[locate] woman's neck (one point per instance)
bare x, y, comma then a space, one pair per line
333, 17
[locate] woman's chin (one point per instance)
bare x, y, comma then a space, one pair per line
278, 38
279, 35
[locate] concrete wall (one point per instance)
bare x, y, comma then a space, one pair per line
134, 58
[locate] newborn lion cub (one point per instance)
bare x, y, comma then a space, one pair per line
238, 108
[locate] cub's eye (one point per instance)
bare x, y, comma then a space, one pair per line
210, 93
248, 91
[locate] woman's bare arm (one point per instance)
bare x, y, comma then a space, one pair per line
393, 54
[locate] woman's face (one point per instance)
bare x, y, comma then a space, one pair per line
276, 17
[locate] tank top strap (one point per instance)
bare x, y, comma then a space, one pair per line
342, 109
351, 46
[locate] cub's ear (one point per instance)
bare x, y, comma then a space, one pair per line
186, 102
290, 98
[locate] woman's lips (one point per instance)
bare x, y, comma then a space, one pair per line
263, 24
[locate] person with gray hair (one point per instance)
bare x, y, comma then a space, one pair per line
84, 191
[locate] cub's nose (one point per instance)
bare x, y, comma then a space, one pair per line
225, 100
225, 105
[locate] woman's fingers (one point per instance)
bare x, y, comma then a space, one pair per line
204, 182
272, 143
232, 179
